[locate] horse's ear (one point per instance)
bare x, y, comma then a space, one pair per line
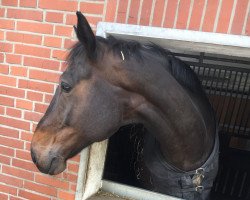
85, 35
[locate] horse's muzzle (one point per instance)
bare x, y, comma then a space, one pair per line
48, 164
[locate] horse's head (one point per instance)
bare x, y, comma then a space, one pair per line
83, 110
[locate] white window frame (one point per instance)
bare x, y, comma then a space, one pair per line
92, 158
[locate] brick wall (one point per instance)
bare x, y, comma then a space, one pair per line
35, 36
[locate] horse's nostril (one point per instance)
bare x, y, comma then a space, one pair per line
33, 156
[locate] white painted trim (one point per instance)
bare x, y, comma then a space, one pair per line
104, 28
133, 192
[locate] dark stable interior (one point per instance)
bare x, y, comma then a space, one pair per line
226, 81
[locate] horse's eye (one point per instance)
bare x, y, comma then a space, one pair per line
65, 87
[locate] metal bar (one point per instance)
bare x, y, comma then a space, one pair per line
237, 92
212, 81
242, 116
230, 98
218, 66
133, 192
224, 99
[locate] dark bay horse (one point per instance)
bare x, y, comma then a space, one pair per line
110, 83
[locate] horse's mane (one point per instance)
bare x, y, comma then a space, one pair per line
178, 68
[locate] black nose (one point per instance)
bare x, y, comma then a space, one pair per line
33, 156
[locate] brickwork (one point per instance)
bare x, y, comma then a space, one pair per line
35, 36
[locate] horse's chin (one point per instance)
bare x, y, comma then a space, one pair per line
58, 169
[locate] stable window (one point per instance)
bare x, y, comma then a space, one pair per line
223, 65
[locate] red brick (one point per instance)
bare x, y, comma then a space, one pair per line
9, 132
7, 24
27, 136
158, 13
34, 96
25, 14
225, 14
30, 195
59, 54
170, 14
13, 59
92, 8
12, 91
18, 71
133, 12
63, 31
2, 110
2, 12
49, 180
9, 2
40, 107
23, 155
240, 13
27, 165
210, 14
14, 112
73, 187
196, 15
45, 76
35, 27
111, 9
48, 98
32, 116
43, 189
3, 196
6, 47
28, 3
146, 11
8, 189
62, 5
54, 17
93, 20
248, 26
28, 145
1, 57
6, 151
6, 101
9, 142
70, 177
1, 35
17, 172
4, 69
24, 38
11, 180
68, 43
122, 10
20, 103
37, 86
183, 12
15, 198
4, 160
31, 50
52, 41
73, 167
15, 123
42, 63
5, 80
66, 195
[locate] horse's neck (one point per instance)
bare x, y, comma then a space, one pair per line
181, 123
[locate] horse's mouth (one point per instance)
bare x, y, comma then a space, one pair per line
54, 167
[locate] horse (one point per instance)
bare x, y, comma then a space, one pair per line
110, 83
